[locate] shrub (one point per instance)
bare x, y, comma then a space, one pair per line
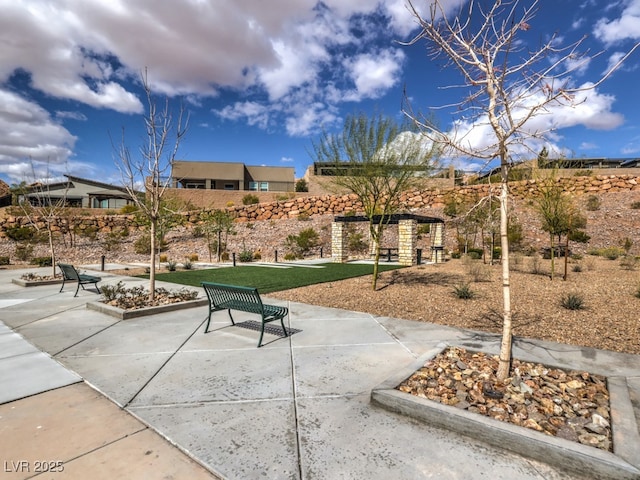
626, 243
111, 241
224, 256
302, 186
127, 209
171, 265
474, 253
20, 234
187, 264
463, 291
635, 205
245, 256
163, 258
612, 253
536, 265
250, 199
230, 204
456, 254
23, 252
90, 232
629, 262
479, 272
4, 260
111, 292
41, 261
579, 236
290, 256
282, 198
577, 268
142, 245
356, 242
303, 217
303, 242
593, 203
257, 255
193, 257
573, 301
198, 232
590, 264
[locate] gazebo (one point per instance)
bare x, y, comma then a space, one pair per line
407, 236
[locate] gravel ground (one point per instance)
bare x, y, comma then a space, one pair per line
425, 293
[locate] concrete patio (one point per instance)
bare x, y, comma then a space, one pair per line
154, 397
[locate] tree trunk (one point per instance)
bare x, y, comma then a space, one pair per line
553, 265
566, 258
505, 345
52, 250
152, 265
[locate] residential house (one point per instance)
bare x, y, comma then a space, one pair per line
79, 192
232, 176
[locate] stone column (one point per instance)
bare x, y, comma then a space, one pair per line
407, 238
338, 242
437, 242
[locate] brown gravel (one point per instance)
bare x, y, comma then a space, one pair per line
424, 293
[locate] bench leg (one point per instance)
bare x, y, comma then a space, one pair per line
63, 280
283, 327
261, 334
77, 289
232, 322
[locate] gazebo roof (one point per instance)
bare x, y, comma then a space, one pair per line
393, 219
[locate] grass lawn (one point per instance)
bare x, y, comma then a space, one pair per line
271, 279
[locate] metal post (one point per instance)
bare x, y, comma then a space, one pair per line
320, 252
234, 258
102, 263
388, 254
276, 261
419, 256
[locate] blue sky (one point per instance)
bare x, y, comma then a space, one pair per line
261, 79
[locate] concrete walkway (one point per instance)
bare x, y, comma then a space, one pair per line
155, 397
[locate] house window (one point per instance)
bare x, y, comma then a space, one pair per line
229, 186
253, 186
264, 186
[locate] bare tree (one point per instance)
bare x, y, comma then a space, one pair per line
153, 167
377, 159
506, 85
43, 202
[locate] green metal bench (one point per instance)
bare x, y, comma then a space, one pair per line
70, 274
245, 299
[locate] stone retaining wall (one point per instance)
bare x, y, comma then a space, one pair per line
346, 204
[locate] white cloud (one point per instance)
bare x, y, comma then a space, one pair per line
254, 113
627, 26
286, 160
588, 146
71, 115
374, 73
29, 134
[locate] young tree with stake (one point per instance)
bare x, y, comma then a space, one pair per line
507, 84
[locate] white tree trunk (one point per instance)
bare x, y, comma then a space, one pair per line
505, 345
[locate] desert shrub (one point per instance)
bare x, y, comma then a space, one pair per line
194, 257
629, 262
577, 268
463, 292
224, 256
23, 252
593, 203
111, 292
4, 260
516, 260
187, 264
282, 198
90, 232
573, 301
475, 253
21, 234
303, 242
456, 254
41, 261
127, 209
589, 263
245, 256
142, 245
111, 241
611, 253
230, 204
635, 205
198, 231
163, 258
250, 199
302, 186
626, 243
171, 265
479, 272
579, 236
303, 217
536, 265
497, 253
290, 256
356, 242
257, 255
110, 212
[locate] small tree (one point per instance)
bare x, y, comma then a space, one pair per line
152, 167
217, 223
506, 85
42, 203
376, 159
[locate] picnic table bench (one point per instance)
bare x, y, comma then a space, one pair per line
245, 299
70, 274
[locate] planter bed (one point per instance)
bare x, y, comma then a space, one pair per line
591, 462
36, 283
141, 312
